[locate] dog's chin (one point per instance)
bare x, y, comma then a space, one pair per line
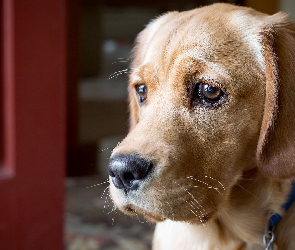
132, 210
152, 217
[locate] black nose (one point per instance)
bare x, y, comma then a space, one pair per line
127, 171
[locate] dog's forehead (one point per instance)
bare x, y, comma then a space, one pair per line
216, 35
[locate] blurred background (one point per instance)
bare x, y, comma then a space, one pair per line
63, 109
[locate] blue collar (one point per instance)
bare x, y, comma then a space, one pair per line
275, 218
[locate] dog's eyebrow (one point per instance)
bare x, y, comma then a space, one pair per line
136, 79
219, 69
201, 65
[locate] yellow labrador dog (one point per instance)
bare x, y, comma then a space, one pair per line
210, 155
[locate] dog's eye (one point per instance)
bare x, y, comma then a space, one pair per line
210, 93
141, 91
207, 95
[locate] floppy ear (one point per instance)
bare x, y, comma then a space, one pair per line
276, 145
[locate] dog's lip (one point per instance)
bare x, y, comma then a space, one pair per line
132, 210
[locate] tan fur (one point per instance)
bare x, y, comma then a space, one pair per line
218, 172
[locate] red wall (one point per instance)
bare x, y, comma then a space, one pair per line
34, 97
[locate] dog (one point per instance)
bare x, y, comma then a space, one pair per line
210, 152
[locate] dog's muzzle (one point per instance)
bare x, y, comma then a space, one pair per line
128, 171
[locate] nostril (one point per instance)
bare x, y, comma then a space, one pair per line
128, 176
128, 171
111, 173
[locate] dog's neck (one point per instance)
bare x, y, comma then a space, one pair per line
253, 200
241, 225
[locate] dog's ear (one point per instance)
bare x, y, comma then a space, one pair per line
276, 145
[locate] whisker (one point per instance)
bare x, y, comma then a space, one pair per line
114, 209
104, 191
127, 59
122, 61
107, 201
173, 215
142, 222
96, 185
198, 216
247, 191
117, 73
105, 149
208, 188
191, 196
206, 176
208, 185
194, 206
200, 219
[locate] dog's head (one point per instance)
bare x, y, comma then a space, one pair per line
210, 98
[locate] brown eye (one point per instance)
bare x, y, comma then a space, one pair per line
209, 92
141, 91
208, 95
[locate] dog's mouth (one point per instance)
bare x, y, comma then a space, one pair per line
132, 210
183, 200
181, 204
